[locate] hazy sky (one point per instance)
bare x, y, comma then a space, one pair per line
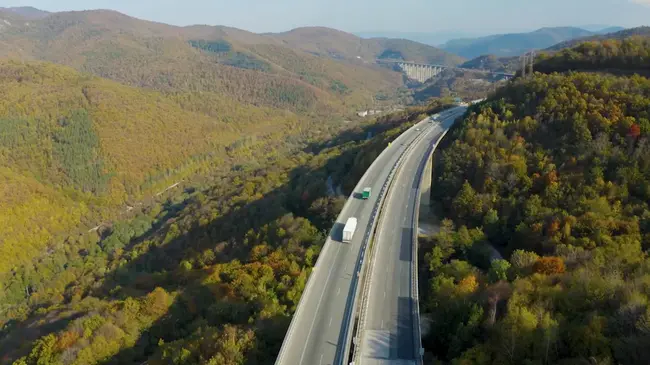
371, 15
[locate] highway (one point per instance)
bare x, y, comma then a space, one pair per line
320, 328
319, 331
388, 335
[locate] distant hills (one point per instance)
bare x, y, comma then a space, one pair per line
431, 38
514, 44
341, 45
27, 12
513, 63
329, 67
619, 34
99, 110
493, 63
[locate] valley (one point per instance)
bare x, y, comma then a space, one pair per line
166, 191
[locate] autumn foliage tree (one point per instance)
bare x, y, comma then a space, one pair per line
549, 265
563, 217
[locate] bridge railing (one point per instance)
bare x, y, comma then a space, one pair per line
415, 289
310, 283
366, 279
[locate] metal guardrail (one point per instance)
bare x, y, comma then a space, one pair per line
363, 269
414, 266
361, 262
326, 246
415, 289
368, 268
310, 282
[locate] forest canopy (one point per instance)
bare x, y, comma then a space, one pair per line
544, 189
210, 275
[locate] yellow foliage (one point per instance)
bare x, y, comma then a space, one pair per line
468, 285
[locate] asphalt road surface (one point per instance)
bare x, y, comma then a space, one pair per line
388, 336
318, 332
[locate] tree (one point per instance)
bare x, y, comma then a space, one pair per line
467, 204
522, 261
549, 265
499, 270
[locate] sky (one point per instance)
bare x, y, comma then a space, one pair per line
425, 16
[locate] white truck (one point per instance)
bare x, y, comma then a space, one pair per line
348, 230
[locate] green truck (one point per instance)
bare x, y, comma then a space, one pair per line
366, 193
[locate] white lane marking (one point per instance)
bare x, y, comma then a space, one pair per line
346, 268
338, 290
330, 325
384, 294
382, 324
321, 359
320, 300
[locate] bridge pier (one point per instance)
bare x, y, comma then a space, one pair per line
419, 72
424, 72
425, 188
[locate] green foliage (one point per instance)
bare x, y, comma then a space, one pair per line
339, 87
208, 276
246, 61
218, 46
499, 270
222, 62
627, 56
555, 170
76, 147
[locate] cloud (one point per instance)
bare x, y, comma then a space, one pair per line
641, 2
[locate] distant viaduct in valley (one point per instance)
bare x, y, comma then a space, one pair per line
423, 72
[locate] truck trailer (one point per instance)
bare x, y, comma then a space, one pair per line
348, 230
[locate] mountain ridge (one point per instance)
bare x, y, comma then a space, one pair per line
512, 44
625, 33
26, 12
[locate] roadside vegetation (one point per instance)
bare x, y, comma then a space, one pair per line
552, 171
211, 275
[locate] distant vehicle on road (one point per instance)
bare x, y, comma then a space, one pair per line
348, 230
366, 193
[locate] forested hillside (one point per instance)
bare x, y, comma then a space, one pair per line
78, 151
341, 45
494, 63
207, 59
622, 56
553, 172
513, 44
74, 148
464, 84
618, 35
210, 276
314, 71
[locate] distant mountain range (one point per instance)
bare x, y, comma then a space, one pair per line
514, 44
170, 102
433, 39
27, 12
513, 63
341, 45
617, 34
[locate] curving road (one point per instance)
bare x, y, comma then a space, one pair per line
319, 333
388, 335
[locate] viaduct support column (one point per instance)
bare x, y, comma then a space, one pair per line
425, 187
